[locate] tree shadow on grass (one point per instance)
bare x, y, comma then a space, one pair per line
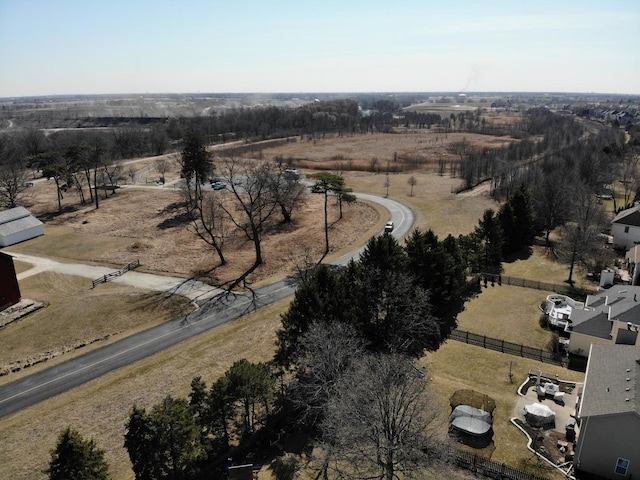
52, 215
180, 216
523, 254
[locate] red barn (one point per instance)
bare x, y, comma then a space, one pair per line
9, 289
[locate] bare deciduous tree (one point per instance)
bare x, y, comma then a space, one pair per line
208, 219
111, 173
95, 159
378, 423
33, 141
581, 232
550, 203
163, 166
412, 183
13, 174
325, 352
288, 191
255, 204
629, 174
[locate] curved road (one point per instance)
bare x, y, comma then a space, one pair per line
39, 386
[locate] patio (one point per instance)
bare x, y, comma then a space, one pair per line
552, 442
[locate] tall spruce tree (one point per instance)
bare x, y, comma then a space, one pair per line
76, 458
490, 234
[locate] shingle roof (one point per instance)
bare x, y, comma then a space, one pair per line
611, 383
9, 228
598, 326
13, 214
622, 300
630, 216
631, 314
16, 220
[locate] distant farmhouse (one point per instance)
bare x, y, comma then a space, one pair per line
608, 443
17, 225
9, 289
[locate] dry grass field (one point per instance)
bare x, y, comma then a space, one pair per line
141, 223
77, 318
148, 224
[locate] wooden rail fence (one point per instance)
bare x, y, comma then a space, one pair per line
486, 467
535, 284
508, 347
117, 273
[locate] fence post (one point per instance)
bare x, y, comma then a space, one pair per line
502, 347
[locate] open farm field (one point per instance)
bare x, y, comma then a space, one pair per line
377, 153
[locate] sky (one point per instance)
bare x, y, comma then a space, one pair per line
61, 47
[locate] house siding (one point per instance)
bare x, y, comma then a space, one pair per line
581, 344
21, 236
603, 440
9, 289
622, 240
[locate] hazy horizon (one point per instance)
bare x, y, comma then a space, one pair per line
329, 94
74, 47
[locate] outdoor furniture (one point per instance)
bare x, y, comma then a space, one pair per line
539, 415
551, 389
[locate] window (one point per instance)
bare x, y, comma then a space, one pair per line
622, 465
626, 229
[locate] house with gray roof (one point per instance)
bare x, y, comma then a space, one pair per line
625, 228
611, 316
17, 225
608, 413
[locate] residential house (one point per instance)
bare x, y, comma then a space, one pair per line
625, 228
608, 413
17, 225
611, 316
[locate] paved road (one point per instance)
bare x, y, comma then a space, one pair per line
72, 373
